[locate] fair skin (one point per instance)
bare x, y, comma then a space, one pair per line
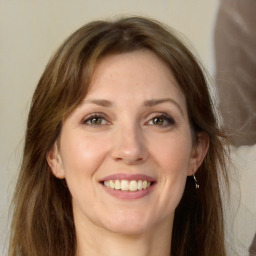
131, 130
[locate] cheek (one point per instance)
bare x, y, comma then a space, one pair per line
172, 152
172, 156
82, 155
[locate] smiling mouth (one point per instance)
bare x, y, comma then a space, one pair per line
127, 185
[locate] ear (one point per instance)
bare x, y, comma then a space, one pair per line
198, 152
53, 158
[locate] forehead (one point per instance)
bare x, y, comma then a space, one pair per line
139, 71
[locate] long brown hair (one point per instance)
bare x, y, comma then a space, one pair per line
42, 210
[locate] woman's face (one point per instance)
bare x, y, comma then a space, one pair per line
126, 150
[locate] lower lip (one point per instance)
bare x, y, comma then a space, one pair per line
126, 195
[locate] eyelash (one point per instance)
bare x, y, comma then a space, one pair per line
165, 118
93, 116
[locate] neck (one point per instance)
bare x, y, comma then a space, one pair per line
104, 243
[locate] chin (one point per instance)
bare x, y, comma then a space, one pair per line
129, 230
129, 224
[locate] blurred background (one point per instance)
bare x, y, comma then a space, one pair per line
222, 32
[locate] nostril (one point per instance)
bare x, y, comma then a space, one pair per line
129, 153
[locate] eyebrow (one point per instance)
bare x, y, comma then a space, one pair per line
151, 103
100, 102
147, 103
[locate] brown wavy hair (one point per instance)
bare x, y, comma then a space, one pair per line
42, 210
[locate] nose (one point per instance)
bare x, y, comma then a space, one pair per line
129, 146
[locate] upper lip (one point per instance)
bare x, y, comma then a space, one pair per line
124, 176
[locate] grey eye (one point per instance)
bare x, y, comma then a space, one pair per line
95, 120
159, 121
162, 120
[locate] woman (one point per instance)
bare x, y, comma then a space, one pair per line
120, 123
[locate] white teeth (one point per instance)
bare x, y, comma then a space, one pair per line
106, 183
144, 184
126, 185
117, 184
133, 185
140, 185
112, 184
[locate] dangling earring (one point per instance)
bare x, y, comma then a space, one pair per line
196, 184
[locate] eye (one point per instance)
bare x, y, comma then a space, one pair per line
161, 120
95, 120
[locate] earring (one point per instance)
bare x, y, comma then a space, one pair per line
196, 184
